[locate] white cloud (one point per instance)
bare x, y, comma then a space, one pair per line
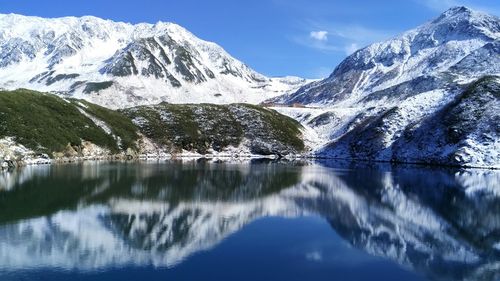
319, 35
338, 38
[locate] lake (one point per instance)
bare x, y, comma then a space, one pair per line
259, 220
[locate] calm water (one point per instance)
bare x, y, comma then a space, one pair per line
255, 221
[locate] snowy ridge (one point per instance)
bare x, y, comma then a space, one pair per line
133, 65
439, 49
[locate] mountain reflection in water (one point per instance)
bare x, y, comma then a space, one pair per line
442, 223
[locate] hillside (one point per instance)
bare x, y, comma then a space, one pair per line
45, 123
464, 132
34, 123
213, 128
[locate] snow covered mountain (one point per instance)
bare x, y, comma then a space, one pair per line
119, 64
458, 47
384, 102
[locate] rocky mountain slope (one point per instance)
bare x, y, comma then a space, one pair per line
35, 124
120, 65
429, 95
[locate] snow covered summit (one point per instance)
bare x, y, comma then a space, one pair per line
118, 64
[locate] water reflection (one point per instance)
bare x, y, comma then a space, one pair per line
443, 223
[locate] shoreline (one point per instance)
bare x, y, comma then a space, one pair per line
144, 157
224, 157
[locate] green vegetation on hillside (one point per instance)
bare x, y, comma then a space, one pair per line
188, 127
281, 128
120, 125
46, 123
201, 127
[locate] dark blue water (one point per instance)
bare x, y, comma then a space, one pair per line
248, 221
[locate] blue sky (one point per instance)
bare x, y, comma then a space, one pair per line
306, 38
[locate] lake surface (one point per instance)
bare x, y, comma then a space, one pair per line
202, 220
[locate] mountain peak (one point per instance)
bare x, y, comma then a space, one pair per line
454, 14
458, 10
460, 13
